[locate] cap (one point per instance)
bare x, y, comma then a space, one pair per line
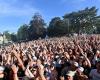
98, 60
80, 69
34, 58
70, 73
57, 56
2, 68
75, 64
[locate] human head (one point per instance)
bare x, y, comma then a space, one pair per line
70, 75
74, 65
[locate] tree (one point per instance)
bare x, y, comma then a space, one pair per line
83, 20
36, 27
57, 27
23, 33
14, 37
7, 35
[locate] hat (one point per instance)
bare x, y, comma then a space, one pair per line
34, 58
56, 56
75, 64
80, 69
70, 73
2, 68
98, 60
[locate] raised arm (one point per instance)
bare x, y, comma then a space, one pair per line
14, 69
19, 60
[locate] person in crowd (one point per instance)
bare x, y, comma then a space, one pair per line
80, 75
95, 73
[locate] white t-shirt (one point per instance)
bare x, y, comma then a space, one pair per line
94, 74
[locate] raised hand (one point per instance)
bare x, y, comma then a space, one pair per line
14, 69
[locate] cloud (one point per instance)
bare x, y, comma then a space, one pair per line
11, 8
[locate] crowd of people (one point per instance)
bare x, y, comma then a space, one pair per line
65, 58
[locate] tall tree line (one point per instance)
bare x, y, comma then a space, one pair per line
82, 21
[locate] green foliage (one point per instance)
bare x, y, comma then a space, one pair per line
36, 27
8, 35
57, 27
22, 33
83, 20
14, 37
32, 31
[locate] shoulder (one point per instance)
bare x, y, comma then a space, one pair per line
93, 70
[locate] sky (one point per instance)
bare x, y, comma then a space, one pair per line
14, 13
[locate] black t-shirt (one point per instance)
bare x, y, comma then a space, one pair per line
87, 70
21, 73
